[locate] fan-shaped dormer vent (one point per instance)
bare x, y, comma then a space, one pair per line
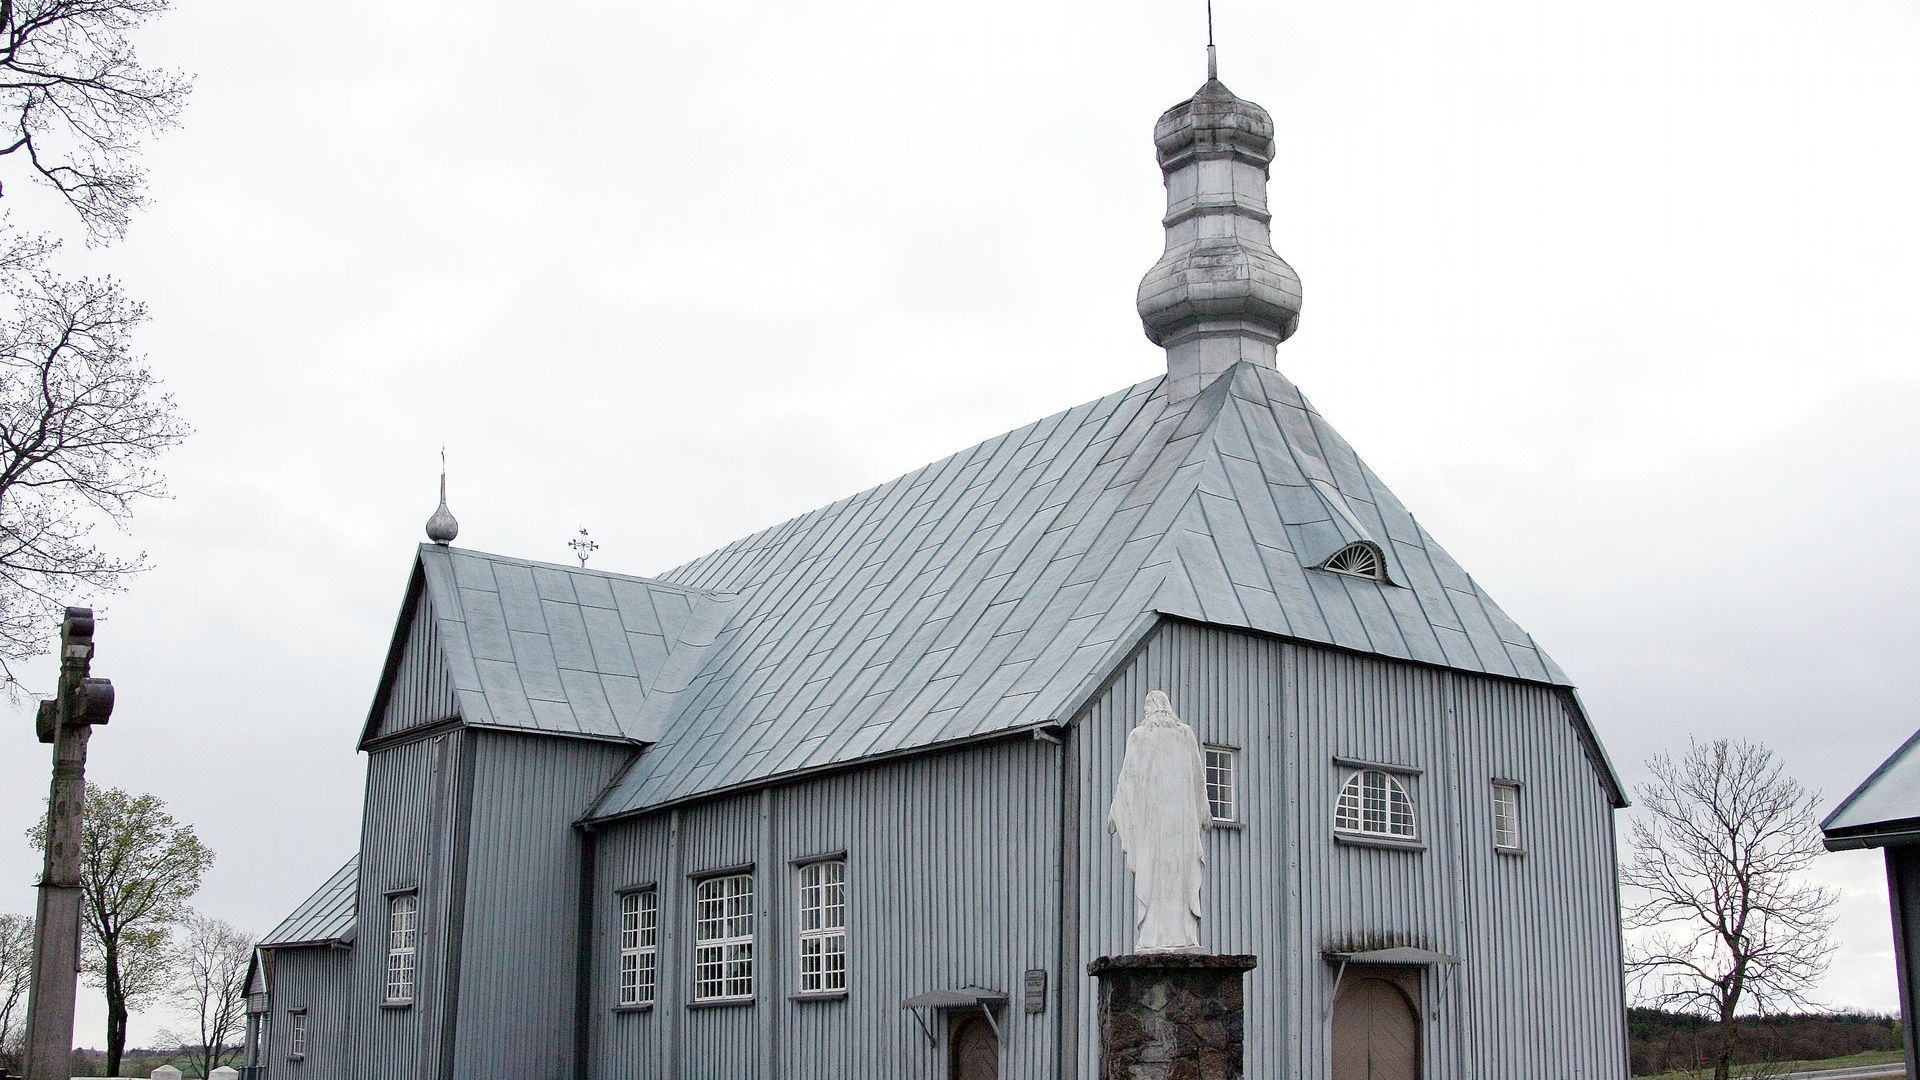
1358, 559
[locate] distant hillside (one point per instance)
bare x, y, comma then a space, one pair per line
1663, 1041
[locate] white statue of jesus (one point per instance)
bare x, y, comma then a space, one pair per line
1160, 812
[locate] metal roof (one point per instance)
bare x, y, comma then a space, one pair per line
964, 998
558, 649
325, 917
1887, 802
990, 591
1402, 956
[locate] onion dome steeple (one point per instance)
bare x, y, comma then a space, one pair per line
1220, 294
441, 527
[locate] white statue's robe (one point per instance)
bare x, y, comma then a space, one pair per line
1161, 814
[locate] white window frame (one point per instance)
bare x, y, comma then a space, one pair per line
296, 1034
1370, 812
639, 941
822, 966
403, 946
1506, 804
1222, 771
723, 938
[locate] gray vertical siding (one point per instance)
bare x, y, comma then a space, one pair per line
405, 841
1538, 989
314, 978
519, 940
956, 864
944, 890
1903, 890
420, 692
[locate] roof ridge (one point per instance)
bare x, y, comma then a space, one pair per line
586, 571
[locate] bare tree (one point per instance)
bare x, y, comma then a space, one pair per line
81, 419
77, 102
211, 995
138, 867
16, 971
1714, 886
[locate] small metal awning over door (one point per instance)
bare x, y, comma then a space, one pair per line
1401, 956
966, 997
1404, 956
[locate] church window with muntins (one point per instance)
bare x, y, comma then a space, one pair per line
1375, 803
1506, 815
1358, 559
823, 927
1221, 762
639, 945
723, 938
403, 917
296, 1033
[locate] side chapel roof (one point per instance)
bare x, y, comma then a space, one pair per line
326, 917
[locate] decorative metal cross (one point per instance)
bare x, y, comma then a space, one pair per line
582, 546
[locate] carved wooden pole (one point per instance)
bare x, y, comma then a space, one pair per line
66, 722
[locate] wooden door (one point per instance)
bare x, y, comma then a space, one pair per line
973, 1050
1376, 1032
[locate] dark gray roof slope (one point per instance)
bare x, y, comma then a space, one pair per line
562, 649
1884, 808
985, 592
324, 918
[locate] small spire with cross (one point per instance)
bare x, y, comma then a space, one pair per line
441, 527
583, 546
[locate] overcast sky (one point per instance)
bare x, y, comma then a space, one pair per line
1618, 298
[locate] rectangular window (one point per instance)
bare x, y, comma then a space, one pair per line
723, 938
823, 927
1221, 791
639, 944
1506, 815
296, 1033
403, 919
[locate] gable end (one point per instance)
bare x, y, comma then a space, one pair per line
415, 690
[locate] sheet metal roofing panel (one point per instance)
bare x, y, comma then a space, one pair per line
977, 594
562, 649
1888, 797
325, 917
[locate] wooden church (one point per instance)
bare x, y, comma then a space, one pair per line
831, 800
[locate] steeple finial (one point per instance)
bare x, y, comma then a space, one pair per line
441, 527
1219, 295
1213, 62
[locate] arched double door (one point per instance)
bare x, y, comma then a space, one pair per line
1376, 1030
973, 1049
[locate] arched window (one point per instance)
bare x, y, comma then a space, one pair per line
1360, 559
1375, 803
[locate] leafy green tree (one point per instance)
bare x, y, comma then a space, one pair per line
138, 868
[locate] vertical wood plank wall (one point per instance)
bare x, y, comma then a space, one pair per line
404, 842
519, 939
950, 882
314, 978
421, 693
1903, 892
954, 866
1538, 988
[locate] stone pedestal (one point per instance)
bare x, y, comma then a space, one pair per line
1171, 1016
